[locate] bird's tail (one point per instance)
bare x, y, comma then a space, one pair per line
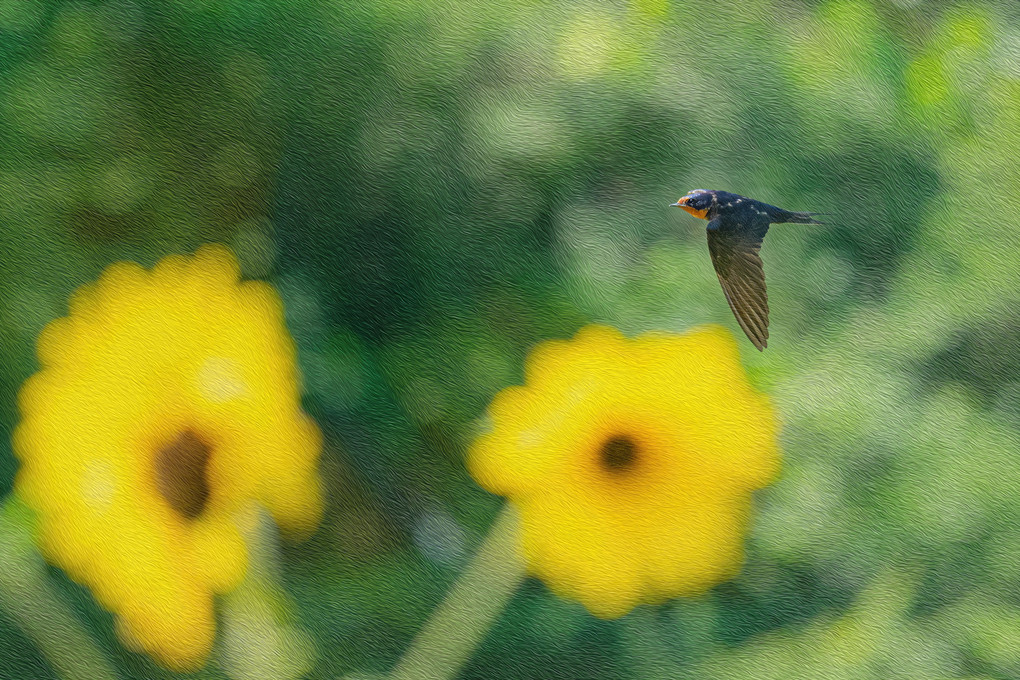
799, 217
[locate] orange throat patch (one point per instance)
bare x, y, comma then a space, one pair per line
703, 214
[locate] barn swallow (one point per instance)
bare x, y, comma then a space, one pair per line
736, 227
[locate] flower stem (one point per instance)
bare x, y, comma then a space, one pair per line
28, 598
472, 605
260, 639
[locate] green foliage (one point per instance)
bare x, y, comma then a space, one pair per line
435, 187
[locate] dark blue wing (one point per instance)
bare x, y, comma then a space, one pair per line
734, 243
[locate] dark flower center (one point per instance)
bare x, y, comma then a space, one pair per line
181, 474
619, 453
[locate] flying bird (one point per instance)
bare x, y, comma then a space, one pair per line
736, 227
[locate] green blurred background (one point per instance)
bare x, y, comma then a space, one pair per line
435, 187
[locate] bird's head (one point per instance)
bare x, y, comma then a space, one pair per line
696, 202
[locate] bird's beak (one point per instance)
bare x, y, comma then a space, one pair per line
679, 204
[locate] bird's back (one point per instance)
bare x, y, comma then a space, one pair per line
737, 208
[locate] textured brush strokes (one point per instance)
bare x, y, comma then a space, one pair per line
434, 188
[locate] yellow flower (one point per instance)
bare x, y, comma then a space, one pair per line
166, 406
631, 463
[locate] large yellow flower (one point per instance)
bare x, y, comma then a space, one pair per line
166, 406
631, 463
